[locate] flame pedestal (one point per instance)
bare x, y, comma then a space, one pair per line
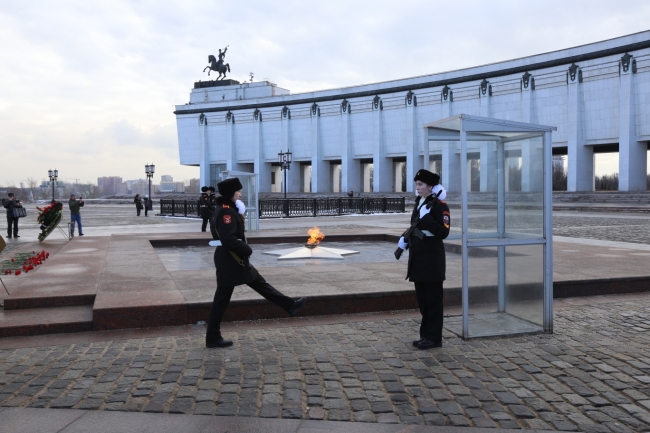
311, 252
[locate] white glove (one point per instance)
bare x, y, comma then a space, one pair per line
401, 243
241, 208
443, 194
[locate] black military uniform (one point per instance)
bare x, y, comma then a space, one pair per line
213, 205
427, 261
12, 222
204, 207
233, 266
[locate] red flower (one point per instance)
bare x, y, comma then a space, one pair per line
12, 260
17, 272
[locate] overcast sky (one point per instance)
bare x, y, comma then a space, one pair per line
89, 87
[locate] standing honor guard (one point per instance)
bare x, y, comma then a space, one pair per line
231, 259
430, 224
213, 204
204, 207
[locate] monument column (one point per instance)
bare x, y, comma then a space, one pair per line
531, 153
293, 174
259, 165
488, 150
204, 147
382, 167
231, 147
413, 160
320, 170
580, 175
632, 155
450, 155
350, 176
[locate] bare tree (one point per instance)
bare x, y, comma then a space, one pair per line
607, 182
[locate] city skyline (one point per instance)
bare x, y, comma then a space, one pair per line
90, 90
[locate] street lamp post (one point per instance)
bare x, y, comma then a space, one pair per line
149, 170
284, 158
53, 175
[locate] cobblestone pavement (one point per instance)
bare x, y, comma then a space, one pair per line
591, 375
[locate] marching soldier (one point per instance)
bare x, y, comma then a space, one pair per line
426, 266
231, 259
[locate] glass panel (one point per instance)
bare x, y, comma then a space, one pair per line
483, 283
510, 196
525, 282
518, 307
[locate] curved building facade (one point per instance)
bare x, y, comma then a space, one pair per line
370, 138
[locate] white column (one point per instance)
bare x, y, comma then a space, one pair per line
632, 155
231, 146
399, 171
381, 181
450, 155
531, 154
488, 151
351, 178
293, 173
336, 171
413, 160
367, 187
580, 158
204, 165
277, 186
259, 165
320, 169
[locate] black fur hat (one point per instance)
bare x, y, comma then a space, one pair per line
204, 189
228, 187
212, 189
427, 177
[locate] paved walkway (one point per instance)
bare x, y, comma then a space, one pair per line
591, 375
71, 421
344, 373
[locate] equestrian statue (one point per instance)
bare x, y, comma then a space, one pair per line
218, 66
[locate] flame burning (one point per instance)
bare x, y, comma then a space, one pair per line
315, 236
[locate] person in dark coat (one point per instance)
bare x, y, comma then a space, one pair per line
138, 204
427, 261
148, 205
213, 204
12, 222
204, 207
231, 259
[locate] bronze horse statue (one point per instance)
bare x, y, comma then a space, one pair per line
218, 66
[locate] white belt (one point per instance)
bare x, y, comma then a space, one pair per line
219, 244
427, 233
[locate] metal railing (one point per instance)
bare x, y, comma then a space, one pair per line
179, 208
300, 207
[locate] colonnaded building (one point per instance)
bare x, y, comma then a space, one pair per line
371, 138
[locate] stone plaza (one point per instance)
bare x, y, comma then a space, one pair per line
351, 372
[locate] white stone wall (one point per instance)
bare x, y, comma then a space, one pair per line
586, 110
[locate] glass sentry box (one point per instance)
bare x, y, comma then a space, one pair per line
506, 238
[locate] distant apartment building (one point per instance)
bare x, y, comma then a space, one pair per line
109, 185
195, 185
139, 186
167, 184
